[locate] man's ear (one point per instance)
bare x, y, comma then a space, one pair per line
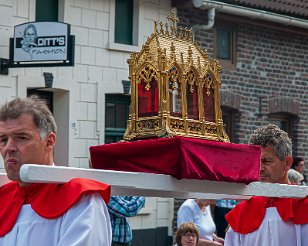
289, 161
51, 140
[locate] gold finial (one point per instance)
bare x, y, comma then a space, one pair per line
166, 29
161, 27
190, 34
174, 19
180, 35
186, 35
155, 26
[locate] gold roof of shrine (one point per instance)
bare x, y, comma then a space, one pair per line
176, 43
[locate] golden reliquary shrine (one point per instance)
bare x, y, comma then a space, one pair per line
175, 88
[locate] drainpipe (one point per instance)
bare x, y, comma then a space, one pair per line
210, 23
251, 13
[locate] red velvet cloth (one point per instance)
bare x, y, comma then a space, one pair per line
247, 216
182, 158
47, 200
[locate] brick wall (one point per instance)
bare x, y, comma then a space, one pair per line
271, 64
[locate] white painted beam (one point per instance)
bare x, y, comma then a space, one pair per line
159, 185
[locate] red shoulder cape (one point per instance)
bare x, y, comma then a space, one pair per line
247, 216
47, 200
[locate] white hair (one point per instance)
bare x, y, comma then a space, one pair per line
294, 176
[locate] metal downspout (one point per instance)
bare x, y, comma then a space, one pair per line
210, 23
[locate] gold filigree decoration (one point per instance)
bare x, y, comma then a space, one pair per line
177, 124
191, 80
174, 78
147, 75
150, 124
208, 82
210, 129
194, 127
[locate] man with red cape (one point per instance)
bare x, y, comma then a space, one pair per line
74, 213
270, 221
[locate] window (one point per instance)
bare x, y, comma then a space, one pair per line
147, 98
224, 36
125, 16
287, 123
229, 117
117, 112
123, 33
225, 45
283, 121
175, 99
192, 101
46, 10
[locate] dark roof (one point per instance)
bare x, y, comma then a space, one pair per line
295, 8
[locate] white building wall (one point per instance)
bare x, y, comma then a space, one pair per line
79, 91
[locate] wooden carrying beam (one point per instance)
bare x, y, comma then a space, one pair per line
158, 185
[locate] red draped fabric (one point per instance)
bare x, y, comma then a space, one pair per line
182, 158
247, 216
47, 200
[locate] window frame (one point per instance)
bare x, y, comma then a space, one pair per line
229, 125
136, 35
123, 31
282, 117
116, 132
42, 17
227, 63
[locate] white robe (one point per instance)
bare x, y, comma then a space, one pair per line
87, 223
273, 231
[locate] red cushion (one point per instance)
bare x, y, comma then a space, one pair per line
182, 158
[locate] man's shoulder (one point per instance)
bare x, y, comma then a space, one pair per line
54, 200
248, 215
